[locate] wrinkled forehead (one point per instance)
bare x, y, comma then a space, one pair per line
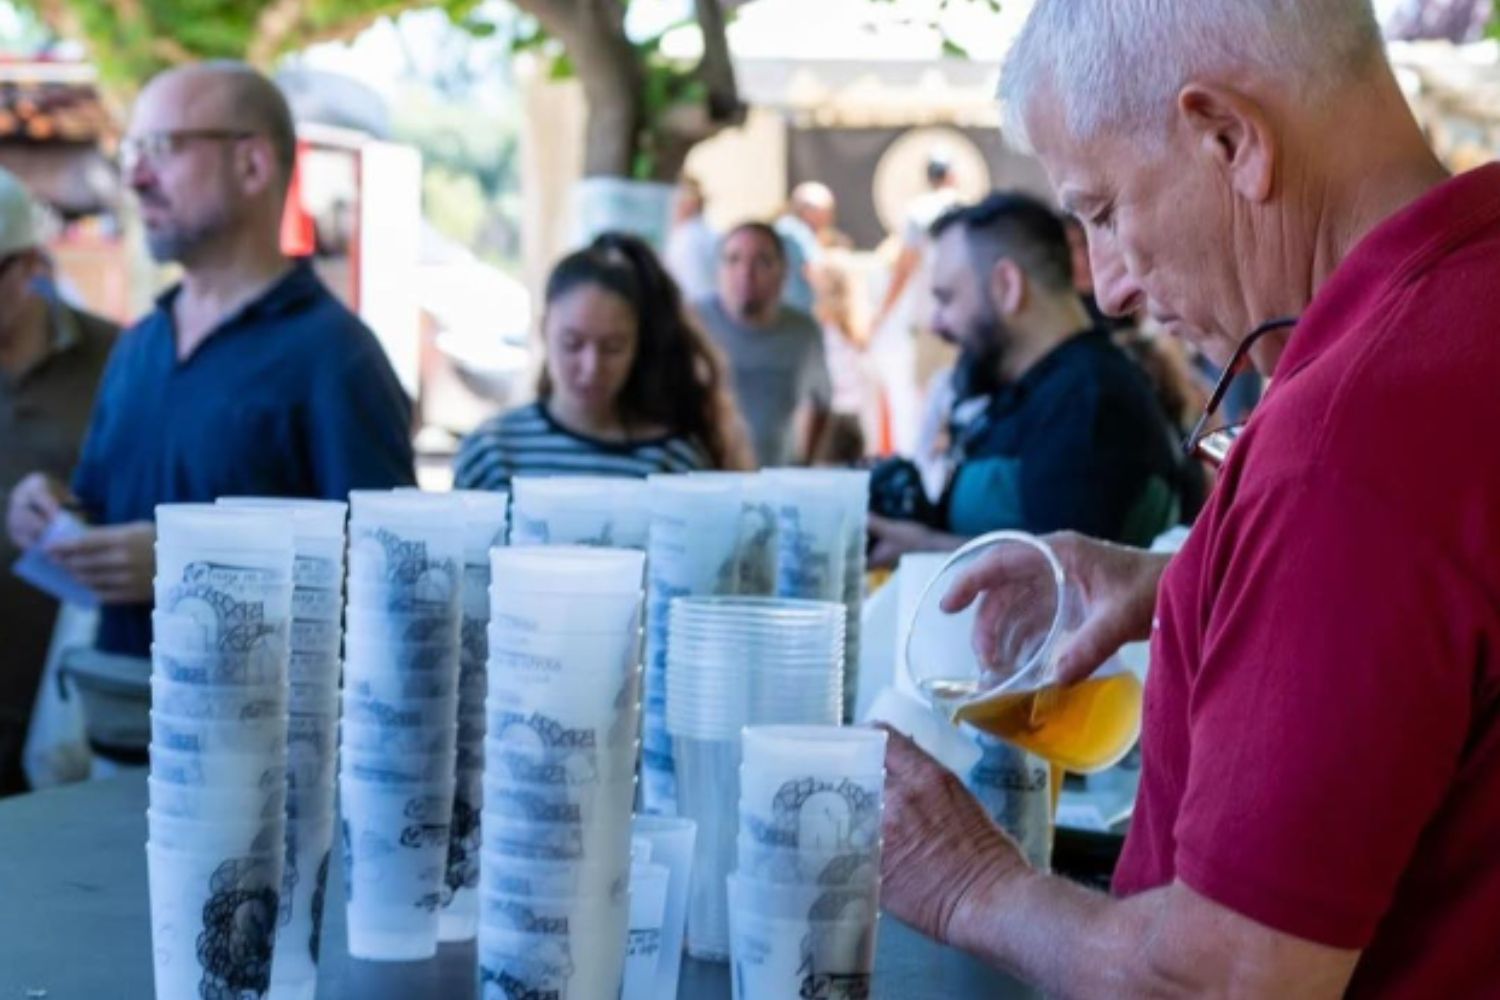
181, 100
1082, 170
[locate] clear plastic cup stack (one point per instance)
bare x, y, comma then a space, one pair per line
218, 787
693, 551
818, 561
736, 662
805, 898
318, 543
594, 511
399, 735
560, 756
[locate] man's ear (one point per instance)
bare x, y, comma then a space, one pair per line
255, 164
1235, 133
1007, 287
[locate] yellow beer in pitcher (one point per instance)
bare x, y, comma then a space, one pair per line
1083, 728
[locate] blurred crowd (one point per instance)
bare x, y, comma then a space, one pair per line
980, 379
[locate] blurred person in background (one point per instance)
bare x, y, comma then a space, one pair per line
854, 404
805, 228
247, 378
775, 352
51, 358
630, 385
692, 253
1071, 436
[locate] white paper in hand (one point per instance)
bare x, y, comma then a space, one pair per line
38, 569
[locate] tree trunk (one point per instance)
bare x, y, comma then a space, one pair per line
594, 37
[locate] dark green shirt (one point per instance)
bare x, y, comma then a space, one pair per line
44, 412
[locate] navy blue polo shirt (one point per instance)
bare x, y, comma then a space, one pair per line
290, 396
1078, 443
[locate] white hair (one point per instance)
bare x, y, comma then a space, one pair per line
1121, 63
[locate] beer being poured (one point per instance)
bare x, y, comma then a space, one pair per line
1083, 728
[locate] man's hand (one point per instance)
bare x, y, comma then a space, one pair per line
34, 502
1118, 585
894, 539
117, 562
941, 847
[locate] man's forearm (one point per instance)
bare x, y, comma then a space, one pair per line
1068, 940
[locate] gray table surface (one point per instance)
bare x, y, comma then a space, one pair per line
74, 921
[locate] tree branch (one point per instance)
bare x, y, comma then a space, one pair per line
716, 68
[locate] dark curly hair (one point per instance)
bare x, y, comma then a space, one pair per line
677, 379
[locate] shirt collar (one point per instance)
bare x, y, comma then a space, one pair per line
1390, 256
286, 294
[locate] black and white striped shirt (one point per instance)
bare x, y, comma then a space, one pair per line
528, 442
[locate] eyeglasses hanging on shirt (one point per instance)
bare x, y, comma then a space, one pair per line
1212, 446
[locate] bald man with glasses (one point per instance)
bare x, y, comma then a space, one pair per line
248, 377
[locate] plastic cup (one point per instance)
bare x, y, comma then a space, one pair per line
321, 669
395, 851
524, 760
707, 793
195, 701
315, 637
207, 526
374, 738
549, 965
265, 735
996, 668
228, 835
213, 921
604, 802
522, 875
387, 688
203, 804
604, 842
520, 609
401, 713
807, 957
821, 750
402, 770
671, 839
807, 867
565, 569
458, 919
217, 770
928, 728
648, 906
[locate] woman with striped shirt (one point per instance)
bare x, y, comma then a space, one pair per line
630, 386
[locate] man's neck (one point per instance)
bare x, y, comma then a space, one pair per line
221, 281
24, 342
760, 319
1038, 335
1349, 197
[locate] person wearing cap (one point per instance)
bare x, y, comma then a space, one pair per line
51, 358
248, 378
1319, 801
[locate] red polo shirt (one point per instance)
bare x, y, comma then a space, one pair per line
1322, 721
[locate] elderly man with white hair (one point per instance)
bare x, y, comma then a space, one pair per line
1320, 802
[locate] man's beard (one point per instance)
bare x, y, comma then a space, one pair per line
982, 350
178, 241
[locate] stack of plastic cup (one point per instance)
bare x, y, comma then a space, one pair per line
595, 511
807, 494
804, 902
560, 756
312, 741
485, 519
694, 543
217, 817
735, 662
851, 491
399, 737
